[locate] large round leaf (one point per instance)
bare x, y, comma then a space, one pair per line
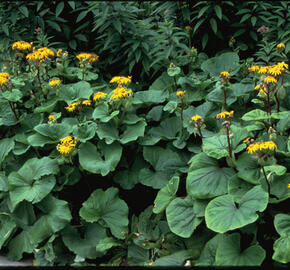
108, 209
6, 145
222, 214
91, 158
282, 245
86, 246
76, 91
279, 188
206, 179
181, 217
85, 131
229, 253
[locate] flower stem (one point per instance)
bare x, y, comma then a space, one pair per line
229, 142
182, 106
278, 102
268, 184
199, 131
225, 98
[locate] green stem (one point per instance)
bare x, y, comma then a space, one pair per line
182, 106
229, 143
268, 184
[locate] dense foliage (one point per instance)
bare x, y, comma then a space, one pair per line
174, 157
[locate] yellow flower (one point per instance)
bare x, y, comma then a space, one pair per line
288, 185
70, 107
274, 70
59, 51
281, 45
21, 45
54, 82
246, 140
195, 118
40, 55
51, 119
4, 78
225, 74
263, 70
282, 65
121, 92
260, 146
253, 68
88, 57
187, 28
270, 79
99, 95
121, 79
171, 64
87, 102
225, 114
66, 145
180, 93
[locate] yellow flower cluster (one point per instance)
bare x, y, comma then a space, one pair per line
54, 82
99, 95
196, 117
262, 90
66, 145
180, 93
274, 70
270, 79
281, 45
40, 55
121, 80
225, 114
120, 92
88, 57
21, 45
4, 78
260, 146
225, 74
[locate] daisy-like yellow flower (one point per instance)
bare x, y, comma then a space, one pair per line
274, 70
59, 52
262, 90
281, 45
180, 93
246, 140
99, 95
282, 65
225, 74
66, 145
121, 80
73, 106
253, 68
288, 185
4, 78
263, 70
54, 82
88, 57
225, 114
21, 45
270, 79
195, 118
51, 119
120, 92
260, 146
40, 55
87, 102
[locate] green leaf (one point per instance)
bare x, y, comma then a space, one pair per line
39, 140
73, 92
216, 147
6, 145
229, 254
165, 163
33, 181
279, 188
24, 11
101, 160
166, 195
56, 215
213, 25
59, 8
228, 61
237, 188
54, 131
258, 114
6, 228
249, 169
217, 95
218, 11
85, 131
81, 16
206, 179
204, 40
14, 95
175, 259
167, 129
108, 131
47, 107
3, 182
132, 132
222, 214
277, 169
182, 220
106, 208
106, 243
101, 112
173, 71
84, 246
150, 96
